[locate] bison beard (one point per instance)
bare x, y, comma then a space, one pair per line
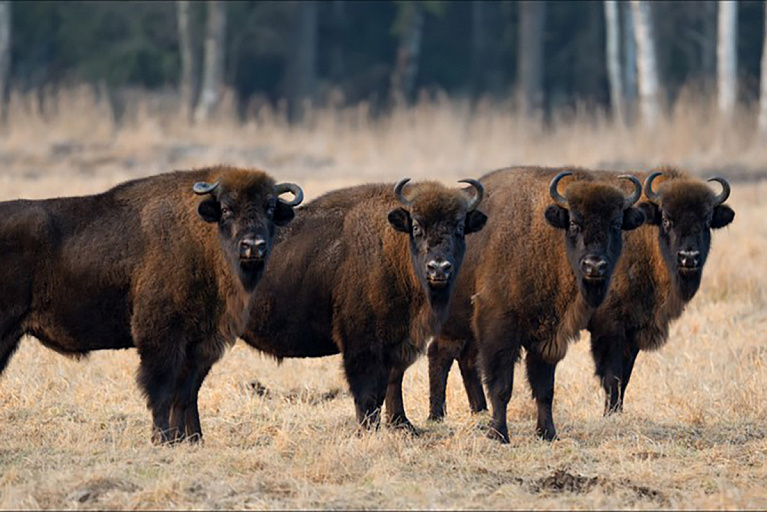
369, 274
93, 273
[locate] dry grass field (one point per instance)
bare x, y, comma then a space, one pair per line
694, 434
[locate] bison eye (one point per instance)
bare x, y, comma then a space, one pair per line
226, 213
417, 231
617, 225
667, 224
270, 211
460, 229
574, 227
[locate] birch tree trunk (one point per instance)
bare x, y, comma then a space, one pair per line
301, 71
530, 64
629, 63
763, 85
213, 66
612, 25
649, 95
727, 60
5, 57
186, 86
408, 53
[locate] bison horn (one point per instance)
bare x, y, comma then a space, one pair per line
725, 193
648, 191
298, 194
398, 191
201, 188
634, 197
555, 195
478, 196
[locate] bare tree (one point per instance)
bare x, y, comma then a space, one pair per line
629, 63
187, 85
763, 86
727, 60
410, 28
5, 56
301, 66
649, 94
478, 45
532, 16
612, 22
213, 66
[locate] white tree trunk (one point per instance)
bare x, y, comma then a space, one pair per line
763, 85
612, 22
5, 55
186, 85
727, 60
649, 94
532, 18
213, 68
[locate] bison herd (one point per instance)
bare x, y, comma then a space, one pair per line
181, 264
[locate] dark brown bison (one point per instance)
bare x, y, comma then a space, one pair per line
146, 265
527, 285
658, 275
368, 273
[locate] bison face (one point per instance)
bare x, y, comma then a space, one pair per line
593, 216
437, 223
246, 216
685, 212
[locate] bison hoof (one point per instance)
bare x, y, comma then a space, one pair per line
547, 434
403, 424
500, 434
437, 416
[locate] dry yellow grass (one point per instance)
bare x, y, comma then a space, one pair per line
694, 434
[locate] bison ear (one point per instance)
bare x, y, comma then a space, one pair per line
651, 212
633, 218
723, 215
557, 216
283, 214
475, 221
209, 210
399, 218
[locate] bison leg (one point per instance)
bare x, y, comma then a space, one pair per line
157, 377
540, 374
368, 379
395, 409
441, 354
629, 358
499, 377
608, 357
9, 342
467, 362
193, 427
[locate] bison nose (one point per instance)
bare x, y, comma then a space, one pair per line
594, 267
252, 248
439, 270
688, 259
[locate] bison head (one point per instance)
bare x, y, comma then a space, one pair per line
437, 220
686, 211
247, 207
593, 215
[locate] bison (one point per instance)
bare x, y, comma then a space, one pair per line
659, 274
527, 285
147, 265
368, 273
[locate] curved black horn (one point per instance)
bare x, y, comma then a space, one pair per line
298, 194
478, 196
634, 197
555, 195
398, 191
648, 191
201, 188
725, 193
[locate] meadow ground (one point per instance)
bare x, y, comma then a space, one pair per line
75, 434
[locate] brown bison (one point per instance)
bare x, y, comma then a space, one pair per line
521, 288
146, 265
368, 273
658, 275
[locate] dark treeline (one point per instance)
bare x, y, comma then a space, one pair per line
384, 51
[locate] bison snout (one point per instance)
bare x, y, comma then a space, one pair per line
688, 260
594, 267
438, 271
252, 249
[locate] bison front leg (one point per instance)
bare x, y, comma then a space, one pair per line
368, 379
499, 375
607, 351
467, 362
157, 377
9, 342
540, 374
395, 408
629, 358
442, 352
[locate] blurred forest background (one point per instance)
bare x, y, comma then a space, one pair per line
696, 69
